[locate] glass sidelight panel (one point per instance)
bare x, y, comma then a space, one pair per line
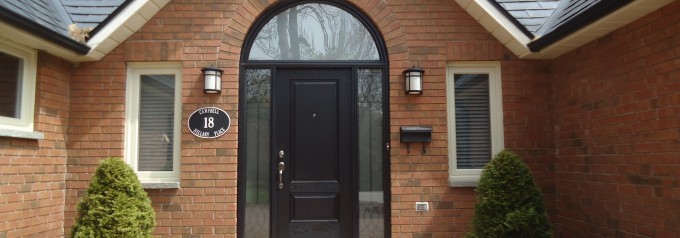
370, 112
258, 103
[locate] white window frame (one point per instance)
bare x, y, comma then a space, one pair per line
470, 177
162, 179
28, 72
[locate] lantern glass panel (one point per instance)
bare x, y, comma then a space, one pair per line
413, 82
213, 81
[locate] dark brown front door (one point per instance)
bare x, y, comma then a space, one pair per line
314, 150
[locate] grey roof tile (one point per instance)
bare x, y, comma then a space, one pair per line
42, 12
539, 13
520, 5
531, 21
530, 13
549, 4
541, 17
566, 11
57, 15
519, 14
89, 13
531, 28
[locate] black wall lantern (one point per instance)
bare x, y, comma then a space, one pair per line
213, 79
414, 80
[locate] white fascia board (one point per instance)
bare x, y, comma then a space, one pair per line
601, 27
498, 25
122, 26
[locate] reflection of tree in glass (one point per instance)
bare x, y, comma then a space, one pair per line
314, 32
370, 89
370, 104
257, 85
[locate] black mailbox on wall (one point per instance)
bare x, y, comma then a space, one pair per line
415, 134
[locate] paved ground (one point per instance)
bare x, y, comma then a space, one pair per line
370, 221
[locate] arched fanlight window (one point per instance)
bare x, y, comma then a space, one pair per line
314, 31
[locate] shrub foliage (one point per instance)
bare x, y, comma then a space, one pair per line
115, 204
509, 204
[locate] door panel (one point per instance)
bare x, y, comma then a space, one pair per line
315, 130
326, 207
313, 126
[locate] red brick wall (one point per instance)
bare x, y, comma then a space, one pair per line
598, 126
205, 205
32, 172
529, 123
437, 32
96, 124
208, 168
617, 128
201, 34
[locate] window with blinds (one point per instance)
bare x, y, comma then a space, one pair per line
473, 122
152, 121
156, 122
17, 81
475, 119
10, 80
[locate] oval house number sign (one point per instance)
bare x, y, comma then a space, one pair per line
209, 122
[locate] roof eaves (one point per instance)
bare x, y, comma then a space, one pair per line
42, 32
512, 19
122, 25
611, 19
498, 24
110, 17
587, 17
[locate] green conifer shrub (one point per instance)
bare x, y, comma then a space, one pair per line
115, 204
509, 204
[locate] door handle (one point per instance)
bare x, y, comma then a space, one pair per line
282, 166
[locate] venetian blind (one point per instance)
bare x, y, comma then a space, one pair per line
156, 122
473, 121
